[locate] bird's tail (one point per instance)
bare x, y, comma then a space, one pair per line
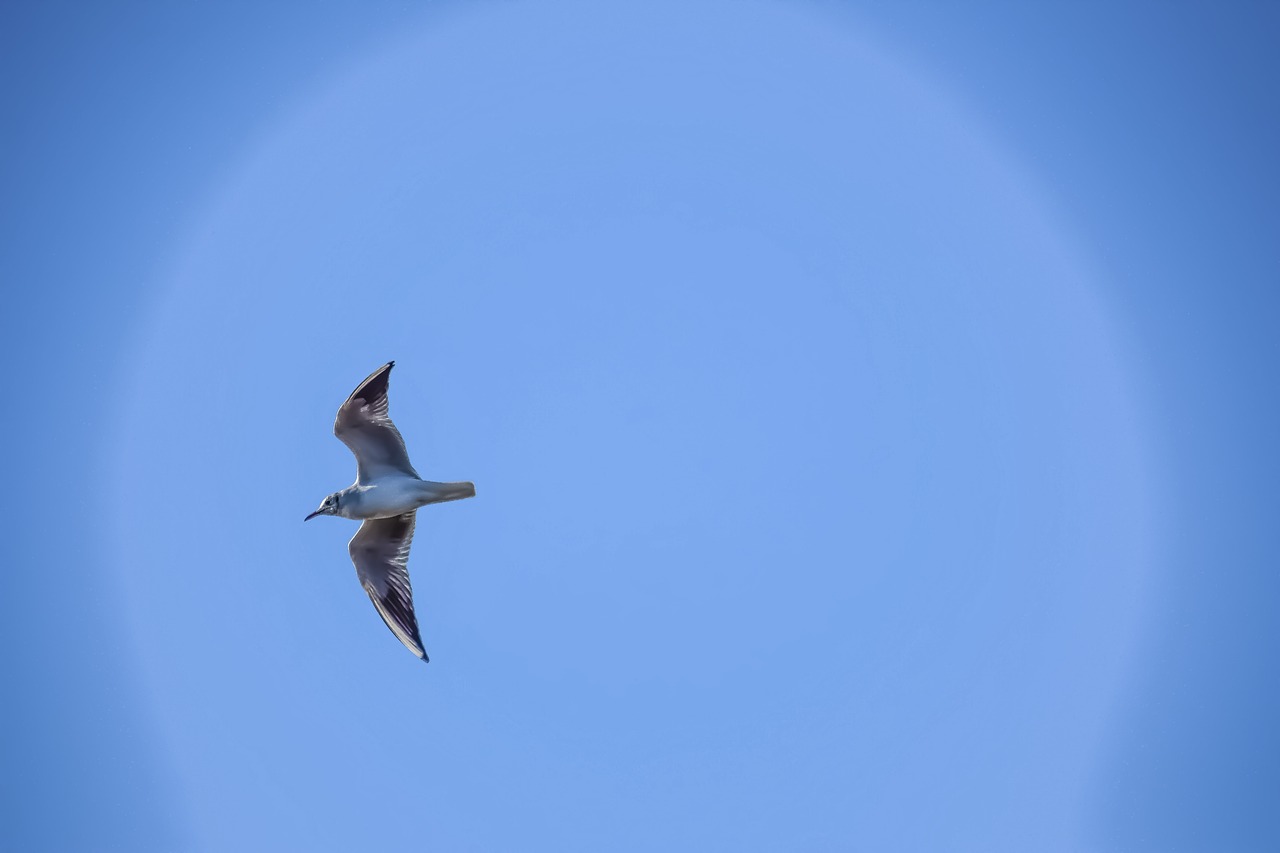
441, 492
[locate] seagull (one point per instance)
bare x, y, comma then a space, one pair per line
385, 496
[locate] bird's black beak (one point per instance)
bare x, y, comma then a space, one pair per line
313, 515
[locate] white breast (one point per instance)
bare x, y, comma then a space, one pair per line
387, 497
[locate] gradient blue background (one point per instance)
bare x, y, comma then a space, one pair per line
871, 407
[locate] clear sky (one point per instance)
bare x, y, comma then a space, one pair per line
871, 407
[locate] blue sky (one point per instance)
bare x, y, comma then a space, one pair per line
870, 406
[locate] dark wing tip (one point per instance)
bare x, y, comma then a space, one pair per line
425, 659
374, 385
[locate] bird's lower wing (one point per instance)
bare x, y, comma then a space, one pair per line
380, 551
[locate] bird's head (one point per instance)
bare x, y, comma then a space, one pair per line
329, 506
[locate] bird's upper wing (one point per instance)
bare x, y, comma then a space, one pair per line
380, 550
364, 426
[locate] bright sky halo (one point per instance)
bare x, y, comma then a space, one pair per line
810, 470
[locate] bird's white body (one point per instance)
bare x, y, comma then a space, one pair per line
396, 494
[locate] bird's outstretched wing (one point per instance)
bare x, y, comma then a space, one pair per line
380, 550
364, 426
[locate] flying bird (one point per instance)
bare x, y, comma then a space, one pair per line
386, 496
